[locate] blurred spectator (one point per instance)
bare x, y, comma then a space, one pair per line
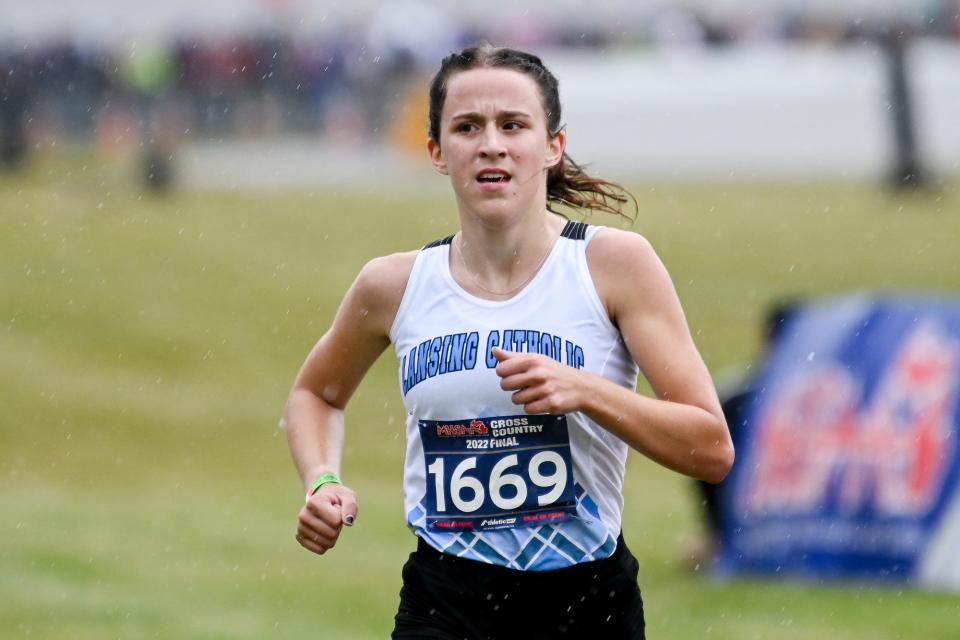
906, 170
149, 75
402, 37
677, 28
14, 103
735, 393
349, 83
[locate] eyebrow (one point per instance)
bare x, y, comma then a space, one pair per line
473, 115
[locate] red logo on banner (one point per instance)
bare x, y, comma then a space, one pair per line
890, 455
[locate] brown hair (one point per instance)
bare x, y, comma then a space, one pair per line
567, 182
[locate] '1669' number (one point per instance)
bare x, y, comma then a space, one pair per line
461, 483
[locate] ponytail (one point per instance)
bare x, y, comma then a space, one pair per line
568, 184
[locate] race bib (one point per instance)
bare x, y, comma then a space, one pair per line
497, 473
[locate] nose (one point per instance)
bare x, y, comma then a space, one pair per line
491, 143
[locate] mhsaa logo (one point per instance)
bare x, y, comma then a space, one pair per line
475, 428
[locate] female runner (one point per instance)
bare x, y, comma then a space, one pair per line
519, 340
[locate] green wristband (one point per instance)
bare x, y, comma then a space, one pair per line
324, 479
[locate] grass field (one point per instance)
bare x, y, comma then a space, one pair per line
148, 346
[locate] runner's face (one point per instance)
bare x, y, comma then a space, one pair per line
494, 142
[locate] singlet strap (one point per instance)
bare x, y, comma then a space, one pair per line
438, 243
574, 230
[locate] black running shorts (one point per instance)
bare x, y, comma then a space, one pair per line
448, 598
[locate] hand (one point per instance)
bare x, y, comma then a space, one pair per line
541, 384
323, 516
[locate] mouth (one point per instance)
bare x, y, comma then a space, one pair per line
493, 177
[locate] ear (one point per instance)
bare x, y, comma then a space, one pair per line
555, 147
436, 156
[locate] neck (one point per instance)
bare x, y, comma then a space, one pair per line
500, 259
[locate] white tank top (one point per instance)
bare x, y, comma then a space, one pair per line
482, 479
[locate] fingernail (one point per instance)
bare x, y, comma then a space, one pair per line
348, 520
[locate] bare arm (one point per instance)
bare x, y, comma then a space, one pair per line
324, 385
683, 428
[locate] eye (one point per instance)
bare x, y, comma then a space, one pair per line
512, 125
465, 127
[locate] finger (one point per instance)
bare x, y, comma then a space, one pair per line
517, 363
312, 545
312, 525
326, 508
537, 406
319, 536
526, 396
515, 381
314, 541
501, 354
317, 545
348, 508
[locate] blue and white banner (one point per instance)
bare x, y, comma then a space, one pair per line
847, 449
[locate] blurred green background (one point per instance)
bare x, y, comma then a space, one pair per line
148, 345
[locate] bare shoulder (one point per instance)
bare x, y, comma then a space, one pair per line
625, 269
387, 276
380, 285
615, 249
